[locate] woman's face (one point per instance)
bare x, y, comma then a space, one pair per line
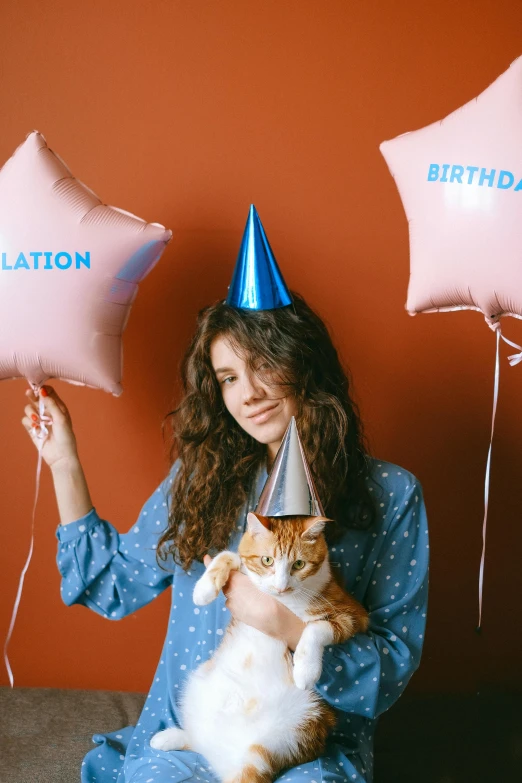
261, 410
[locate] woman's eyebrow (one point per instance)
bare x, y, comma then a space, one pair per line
223, 369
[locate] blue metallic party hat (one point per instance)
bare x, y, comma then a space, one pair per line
257, 283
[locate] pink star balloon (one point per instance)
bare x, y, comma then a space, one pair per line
69, 272
460, 181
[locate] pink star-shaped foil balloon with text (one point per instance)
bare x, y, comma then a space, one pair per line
460, 181
69, 271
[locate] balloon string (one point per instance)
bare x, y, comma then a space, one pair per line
488, 467
41, 433
514, 359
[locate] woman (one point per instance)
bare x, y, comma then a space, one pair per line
246, 372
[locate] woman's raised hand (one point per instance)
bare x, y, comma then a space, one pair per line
60, 444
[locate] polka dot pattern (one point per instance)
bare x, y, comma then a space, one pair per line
385, 567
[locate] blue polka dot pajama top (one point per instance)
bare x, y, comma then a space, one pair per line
385, 568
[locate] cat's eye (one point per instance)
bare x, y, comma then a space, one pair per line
299, 564
267, 560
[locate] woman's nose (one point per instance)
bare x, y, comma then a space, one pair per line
252, 388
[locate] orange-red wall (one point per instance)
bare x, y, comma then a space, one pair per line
183, 113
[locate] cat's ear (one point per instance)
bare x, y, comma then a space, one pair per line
312, 528
257, 524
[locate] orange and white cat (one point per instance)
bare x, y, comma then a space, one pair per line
251, 709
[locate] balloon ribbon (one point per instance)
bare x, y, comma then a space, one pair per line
41, 434
513, 360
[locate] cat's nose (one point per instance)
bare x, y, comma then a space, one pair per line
283, 589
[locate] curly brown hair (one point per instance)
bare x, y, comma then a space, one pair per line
218, 459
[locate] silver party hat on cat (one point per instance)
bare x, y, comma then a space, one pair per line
289, 489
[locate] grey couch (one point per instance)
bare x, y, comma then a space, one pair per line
44, 734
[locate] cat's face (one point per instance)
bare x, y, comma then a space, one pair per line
280, 554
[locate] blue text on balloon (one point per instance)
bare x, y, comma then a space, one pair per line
47, 260
473, 175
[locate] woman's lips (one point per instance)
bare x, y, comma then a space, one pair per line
260, 418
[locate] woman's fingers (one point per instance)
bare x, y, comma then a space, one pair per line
54, 410
236, 580
51, 406
51, 395
54, 406
28, 424
33, 413
32, 399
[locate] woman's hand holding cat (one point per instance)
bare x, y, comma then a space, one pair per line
246, 603
249, 605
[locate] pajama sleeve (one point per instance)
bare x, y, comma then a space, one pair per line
111, 573
367, 674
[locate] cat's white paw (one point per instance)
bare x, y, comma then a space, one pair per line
205, 591
169, 739
215, 577
307, 668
